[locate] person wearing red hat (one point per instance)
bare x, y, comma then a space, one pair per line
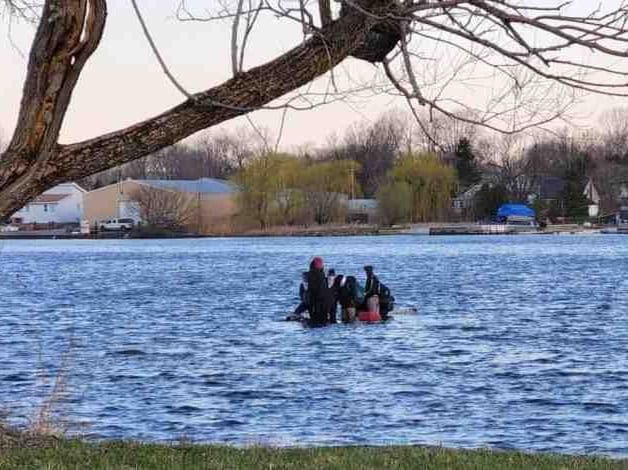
317, 263
319, 293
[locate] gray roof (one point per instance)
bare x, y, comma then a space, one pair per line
202, 185
550, 187
470, 193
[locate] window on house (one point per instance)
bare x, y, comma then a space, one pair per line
45, 207
53, 208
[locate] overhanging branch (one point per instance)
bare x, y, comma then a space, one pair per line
243, 93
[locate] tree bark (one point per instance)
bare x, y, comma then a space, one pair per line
70, 31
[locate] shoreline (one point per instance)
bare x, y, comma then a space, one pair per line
315, 231
433, 229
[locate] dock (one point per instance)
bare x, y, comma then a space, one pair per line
468, 229
502, 229
472, 229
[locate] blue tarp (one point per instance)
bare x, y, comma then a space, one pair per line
520, 210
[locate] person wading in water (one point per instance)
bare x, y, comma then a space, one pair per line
371, 290
303, 288
378, 297
319, 294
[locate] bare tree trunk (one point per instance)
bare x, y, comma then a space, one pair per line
70, 31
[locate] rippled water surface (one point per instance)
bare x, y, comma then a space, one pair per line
521, 342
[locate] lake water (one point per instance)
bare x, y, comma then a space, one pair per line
521, 341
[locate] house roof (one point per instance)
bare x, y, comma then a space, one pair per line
550, 187
202, 185
49, 198
60, 188
470, 192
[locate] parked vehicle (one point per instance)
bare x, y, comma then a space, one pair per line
116, 225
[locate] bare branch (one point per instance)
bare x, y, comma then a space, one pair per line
235, 67
507, 65
158, 56
25, 10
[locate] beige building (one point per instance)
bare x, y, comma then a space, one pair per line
208, 204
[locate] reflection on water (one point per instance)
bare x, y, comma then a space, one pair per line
521, 342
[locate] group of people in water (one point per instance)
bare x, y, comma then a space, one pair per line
321, 292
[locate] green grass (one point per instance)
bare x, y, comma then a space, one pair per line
123, 455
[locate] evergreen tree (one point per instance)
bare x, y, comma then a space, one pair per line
489, 199
466, 166
575, 203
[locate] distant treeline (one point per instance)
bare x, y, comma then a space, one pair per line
395, 161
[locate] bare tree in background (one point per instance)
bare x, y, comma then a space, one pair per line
537, 58
209, 155
375, 147
555, 154
164, 209
609, 152
231, 151
440, 134
615, 134
510, 166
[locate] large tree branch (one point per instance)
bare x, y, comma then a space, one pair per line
68, 34
34, 162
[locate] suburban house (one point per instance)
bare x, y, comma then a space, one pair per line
550, 188
591, 192
543, 188
63, 204
210, 203
465, 200
621, 216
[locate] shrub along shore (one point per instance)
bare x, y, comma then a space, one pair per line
27, 451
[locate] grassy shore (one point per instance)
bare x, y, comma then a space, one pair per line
119, 455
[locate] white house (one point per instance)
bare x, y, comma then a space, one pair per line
466, 199
62, 204
544, 188
591, 192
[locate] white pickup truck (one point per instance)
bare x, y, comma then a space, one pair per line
116, 225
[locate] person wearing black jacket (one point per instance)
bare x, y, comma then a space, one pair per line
371, 287
377, 295
319, 294
371, 290
346, 289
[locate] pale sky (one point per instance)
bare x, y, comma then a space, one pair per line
123, 83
